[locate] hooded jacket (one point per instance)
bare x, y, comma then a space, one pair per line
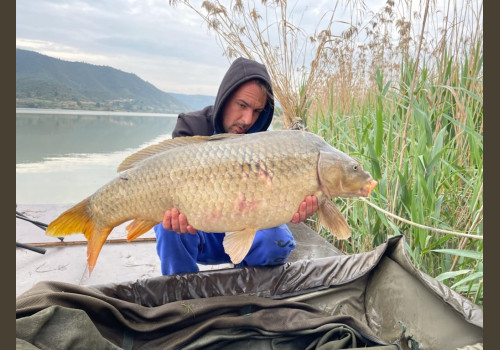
208, 121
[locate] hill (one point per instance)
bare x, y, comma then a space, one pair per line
47, 82
196, 101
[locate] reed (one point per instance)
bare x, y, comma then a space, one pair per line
400, 89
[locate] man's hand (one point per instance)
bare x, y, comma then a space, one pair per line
307, 208
175, 221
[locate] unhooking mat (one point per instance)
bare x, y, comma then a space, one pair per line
375, 300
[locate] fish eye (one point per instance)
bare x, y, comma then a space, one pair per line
355, 167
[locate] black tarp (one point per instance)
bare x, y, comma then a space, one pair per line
337, 301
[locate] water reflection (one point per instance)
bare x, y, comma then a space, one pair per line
62, 158
43, 135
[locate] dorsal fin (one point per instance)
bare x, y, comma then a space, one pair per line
147, 152
218, 137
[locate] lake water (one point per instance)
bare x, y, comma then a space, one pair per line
64, 156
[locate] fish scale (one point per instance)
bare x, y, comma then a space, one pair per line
236, 184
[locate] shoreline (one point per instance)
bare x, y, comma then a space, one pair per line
24, 110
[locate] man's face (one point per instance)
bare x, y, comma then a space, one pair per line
243, 108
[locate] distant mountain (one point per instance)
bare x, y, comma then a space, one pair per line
47, 82
196, 101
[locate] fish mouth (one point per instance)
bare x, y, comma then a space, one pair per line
365, 191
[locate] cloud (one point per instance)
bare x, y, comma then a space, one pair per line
168, 46
60, 51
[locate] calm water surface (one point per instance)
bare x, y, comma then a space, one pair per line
64, 156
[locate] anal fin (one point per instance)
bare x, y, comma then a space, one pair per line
237, 244
333, 220
138, 227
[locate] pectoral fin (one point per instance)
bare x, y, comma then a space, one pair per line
237, 244
331, 218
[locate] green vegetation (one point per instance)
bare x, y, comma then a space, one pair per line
401, 90
430, 171
46, 82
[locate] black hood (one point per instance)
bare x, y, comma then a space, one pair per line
241, 71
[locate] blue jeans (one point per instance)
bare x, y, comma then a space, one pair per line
180, 253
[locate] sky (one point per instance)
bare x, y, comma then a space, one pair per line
167, 46
170, 47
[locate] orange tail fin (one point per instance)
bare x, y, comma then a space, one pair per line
76, 220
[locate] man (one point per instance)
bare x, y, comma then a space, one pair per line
244, 104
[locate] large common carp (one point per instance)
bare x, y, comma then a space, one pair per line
230, 183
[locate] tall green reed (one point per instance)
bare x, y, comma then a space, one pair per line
440, 179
